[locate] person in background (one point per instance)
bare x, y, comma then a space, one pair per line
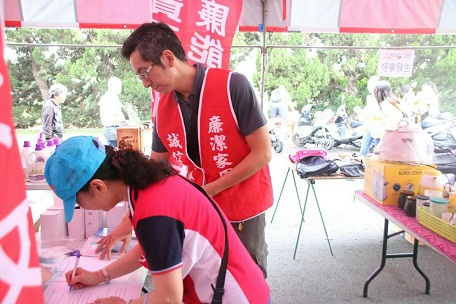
408, 101
390, 105
111, 110
428, 100
209, 122
281, 103
51, 114
182, 234
372, 116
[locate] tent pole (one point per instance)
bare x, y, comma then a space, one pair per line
263, 52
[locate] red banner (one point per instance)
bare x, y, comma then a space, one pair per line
206, 29
20, 274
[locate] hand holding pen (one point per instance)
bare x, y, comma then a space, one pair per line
79, 277
77, 254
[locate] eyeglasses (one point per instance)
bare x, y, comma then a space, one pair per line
144, 75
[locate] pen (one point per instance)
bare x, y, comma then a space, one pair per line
77, 254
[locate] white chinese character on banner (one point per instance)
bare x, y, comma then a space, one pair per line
173, 140
214, 17
177, 155
221, 160
218, 142
206, 50
215, 124
171, 8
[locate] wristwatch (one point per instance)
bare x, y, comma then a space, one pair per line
106, 275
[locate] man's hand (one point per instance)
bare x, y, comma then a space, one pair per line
121, 233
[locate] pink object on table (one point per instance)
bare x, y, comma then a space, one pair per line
307, 152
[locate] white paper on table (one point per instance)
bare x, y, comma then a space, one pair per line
58, 292
67, 264
92, 243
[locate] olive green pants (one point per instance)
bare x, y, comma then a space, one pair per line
252, 235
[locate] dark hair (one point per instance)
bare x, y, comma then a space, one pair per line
131, 166
151, 39
405, 89
383, 92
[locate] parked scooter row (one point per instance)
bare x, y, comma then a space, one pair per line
326, 129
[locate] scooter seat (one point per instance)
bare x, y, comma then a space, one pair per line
356, 123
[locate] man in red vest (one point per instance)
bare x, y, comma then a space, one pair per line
209, 122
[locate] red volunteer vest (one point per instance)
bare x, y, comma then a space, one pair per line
222, 147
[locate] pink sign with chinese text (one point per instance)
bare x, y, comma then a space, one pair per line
395, 63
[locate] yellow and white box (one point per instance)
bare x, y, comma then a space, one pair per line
383, 181
130, 138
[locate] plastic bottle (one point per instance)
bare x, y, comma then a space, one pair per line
438, 206
430, 180
50, 146
36, 162
25, 151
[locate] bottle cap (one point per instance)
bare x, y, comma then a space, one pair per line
38, 147
439, 200
56, 141
407, 192
49, 143
26, 143
422, 197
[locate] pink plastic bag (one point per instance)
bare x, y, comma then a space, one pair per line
307, 152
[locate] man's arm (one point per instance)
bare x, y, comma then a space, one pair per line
259, 155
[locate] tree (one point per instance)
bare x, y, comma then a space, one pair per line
320, 67
84, 70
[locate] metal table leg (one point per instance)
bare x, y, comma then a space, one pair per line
281, 191
385, 256
310, 185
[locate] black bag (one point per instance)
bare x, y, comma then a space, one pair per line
353, 169
315, 166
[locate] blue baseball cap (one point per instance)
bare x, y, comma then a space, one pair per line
71, 166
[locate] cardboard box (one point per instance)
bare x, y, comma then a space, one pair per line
407, 236
76, 227
383, 181
53, 225
130, 137
93, 220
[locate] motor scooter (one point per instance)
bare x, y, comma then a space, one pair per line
313, 130
356, 136
274, 133
442, 130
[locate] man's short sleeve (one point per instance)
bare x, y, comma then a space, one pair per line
245, 103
